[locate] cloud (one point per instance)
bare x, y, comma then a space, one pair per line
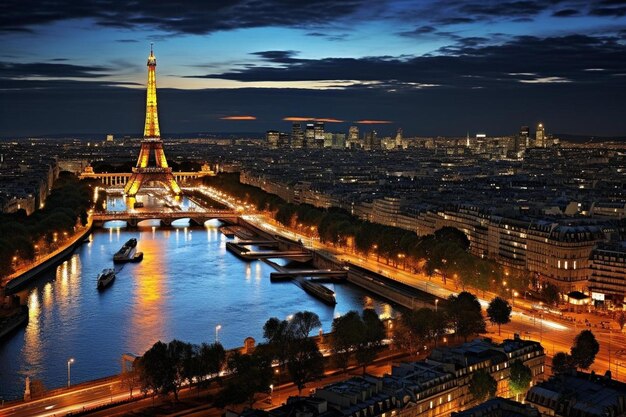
566, 13
188, 17
50, 70
469, 63
127, 40
280, 57
329, 36
311, 119
418, 31
238, 118
373, 122
329, 120
297, 119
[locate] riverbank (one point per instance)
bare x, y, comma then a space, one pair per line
28, 273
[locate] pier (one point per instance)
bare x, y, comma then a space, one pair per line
240, 250
320, 275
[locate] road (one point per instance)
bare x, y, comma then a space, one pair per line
86, 395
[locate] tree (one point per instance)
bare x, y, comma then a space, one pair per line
278, 334
155, 370
181, 363
251, 374
303, 322
585, 349
520, 378
561, 363
371, 338
482, 386
347, 332
305, 363
550, 293
417, 326
213, 358
465, 314
499, 312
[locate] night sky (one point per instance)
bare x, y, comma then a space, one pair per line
430, 67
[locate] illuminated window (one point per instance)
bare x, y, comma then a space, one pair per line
449, 397
431, 404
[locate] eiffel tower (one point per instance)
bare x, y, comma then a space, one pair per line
145, 173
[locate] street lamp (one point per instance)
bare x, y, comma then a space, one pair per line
70, 361
217, 330
436, 302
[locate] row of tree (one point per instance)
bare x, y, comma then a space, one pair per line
67, 204
445, 252
166, 367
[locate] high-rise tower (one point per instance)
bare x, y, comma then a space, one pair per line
145, 173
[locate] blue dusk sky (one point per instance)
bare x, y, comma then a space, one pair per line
430, 67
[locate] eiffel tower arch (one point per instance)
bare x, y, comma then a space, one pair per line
145, 172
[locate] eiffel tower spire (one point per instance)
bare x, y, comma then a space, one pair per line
151, 143
151, 129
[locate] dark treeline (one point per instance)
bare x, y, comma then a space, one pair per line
289, 353
444, 253
22, 235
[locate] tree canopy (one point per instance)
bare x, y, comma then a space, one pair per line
499, 312
465, 314
584, 349
520, 378
482, 386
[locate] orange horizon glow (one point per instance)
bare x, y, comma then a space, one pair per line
374, 122
238, 118
312, 119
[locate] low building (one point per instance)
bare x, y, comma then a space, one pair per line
579, 394
607, 277
499, 407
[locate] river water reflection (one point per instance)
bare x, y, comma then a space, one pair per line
186, 285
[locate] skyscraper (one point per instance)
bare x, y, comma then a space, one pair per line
309, 135
399, 138
319, 134
540, 136
297, 136
353, 137
272, 137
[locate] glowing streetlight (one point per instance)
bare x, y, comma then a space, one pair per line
70, 361
436, 303
217, 330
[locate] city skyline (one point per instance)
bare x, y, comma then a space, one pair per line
430, 69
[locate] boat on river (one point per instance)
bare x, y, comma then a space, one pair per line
125, 254
320, 291
105, 278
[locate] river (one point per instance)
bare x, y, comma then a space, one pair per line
186, 285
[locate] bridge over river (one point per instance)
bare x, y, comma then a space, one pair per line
132, 218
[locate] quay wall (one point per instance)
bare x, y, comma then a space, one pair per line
15, 283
